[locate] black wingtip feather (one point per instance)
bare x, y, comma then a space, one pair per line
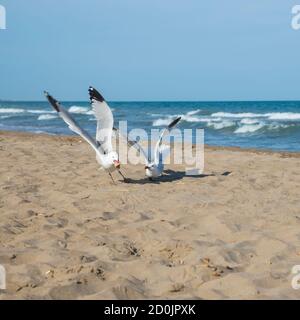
54, 103
96, 95
173, 123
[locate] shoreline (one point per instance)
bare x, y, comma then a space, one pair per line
284, 154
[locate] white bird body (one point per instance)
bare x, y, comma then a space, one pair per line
107, 161
107, 158
153, 170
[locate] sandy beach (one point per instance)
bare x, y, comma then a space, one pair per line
67, 233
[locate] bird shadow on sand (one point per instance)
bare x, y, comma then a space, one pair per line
171, 175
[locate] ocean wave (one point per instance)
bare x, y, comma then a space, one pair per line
211, 119
221, 125
248, 128
237, 115
193, 112
47, 117
40, 111
19, 110
167, 121
188, 117
11, 110
274, 126
249, 121
262, 127
81, 110
249, 125
161, 122
283, 116
269, 116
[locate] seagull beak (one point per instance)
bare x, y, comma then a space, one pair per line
117, 164
147, 168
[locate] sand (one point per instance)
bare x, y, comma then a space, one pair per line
67, 233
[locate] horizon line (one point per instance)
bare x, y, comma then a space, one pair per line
151, 101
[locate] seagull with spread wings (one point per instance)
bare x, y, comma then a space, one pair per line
102, 145
154, 168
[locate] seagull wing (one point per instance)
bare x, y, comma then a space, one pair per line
105, 120
157, 151
135, 144
64, 114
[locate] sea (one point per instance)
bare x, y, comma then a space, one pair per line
273, 125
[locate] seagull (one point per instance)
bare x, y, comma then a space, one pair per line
154, 168
102, 145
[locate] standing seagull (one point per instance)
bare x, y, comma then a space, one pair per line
105, 155
155, 168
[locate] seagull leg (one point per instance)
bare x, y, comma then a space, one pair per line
121, 174
112, 178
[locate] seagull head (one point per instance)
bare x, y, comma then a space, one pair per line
114, 158
149, 170
117, 164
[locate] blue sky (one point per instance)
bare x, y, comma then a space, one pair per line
150, 49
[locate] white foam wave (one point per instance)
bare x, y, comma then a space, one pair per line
237, 115
161, 122
40, 111
269, 116
247, 128
249, 121
76, 109
18, 110
221, 125
47, 117
283, 116
189, 118
211, 119
168, 120
11, 110
193, 112
83, 110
